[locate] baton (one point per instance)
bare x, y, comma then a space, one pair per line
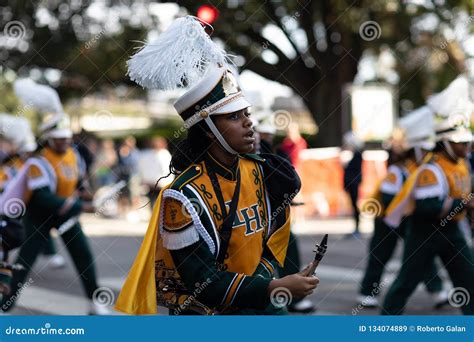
112, 192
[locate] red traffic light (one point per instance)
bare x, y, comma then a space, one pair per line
207, 13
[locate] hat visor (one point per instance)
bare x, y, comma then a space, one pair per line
29, 147
427, 145
233, 106
460, 137
59, 134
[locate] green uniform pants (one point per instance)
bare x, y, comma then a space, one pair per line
422, 243
50, 247
37, 235
381, 248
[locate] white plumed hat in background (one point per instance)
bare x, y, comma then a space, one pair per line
454, 109
450, 130
418, 127
42, 97
454, 100
17, 131
55, 123
56, 127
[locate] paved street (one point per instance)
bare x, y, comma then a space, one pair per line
115, 243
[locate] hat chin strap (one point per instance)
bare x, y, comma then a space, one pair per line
219, 137
449, 149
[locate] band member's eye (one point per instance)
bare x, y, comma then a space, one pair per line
238, 115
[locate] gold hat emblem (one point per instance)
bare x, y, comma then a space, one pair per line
229, 83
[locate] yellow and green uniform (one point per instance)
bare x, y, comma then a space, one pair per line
9, 169
385, 238
7, 172
440, 190
51, 184
183, 242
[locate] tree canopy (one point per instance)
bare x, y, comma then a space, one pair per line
313, 47
322, 42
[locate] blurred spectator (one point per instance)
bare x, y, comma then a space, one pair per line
86, 145
293, 144
267, 132
353, 174
154, 163
105, 165
128, 171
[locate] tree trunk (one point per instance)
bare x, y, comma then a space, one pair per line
325, 101
323, 105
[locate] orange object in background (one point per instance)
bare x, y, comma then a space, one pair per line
321, 173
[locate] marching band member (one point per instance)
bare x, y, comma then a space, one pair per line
441, 189
408, 148
53, 180
218, 231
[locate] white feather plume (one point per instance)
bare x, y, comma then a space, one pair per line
453, 100
179, 57
15, 129
8, 125
42, 97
